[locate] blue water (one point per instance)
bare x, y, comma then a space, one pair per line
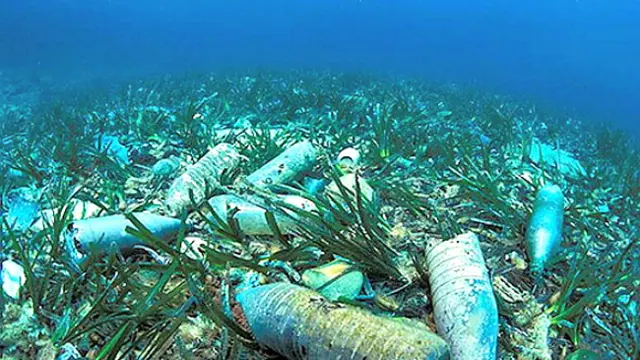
578, 56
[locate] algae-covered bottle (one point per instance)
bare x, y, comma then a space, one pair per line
465, 309
200, 177
301, 324
285, 167
544, 231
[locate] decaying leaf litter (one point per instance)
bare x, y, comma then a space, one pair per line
427, 164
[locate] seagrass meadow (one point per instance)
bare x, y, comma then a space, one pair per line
434, 162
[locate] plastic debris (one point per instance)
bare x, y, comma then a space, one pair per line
23, 208
544, 231
96, 236
285, 167
81, 210
200, 177
301, 324
349, 182
348, 159
12, 278
337, 279
563, 160
465, 308
114, 149
252, 218
484, 139
193, 247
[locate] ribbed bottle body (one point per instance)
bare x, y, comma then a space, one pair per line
200, 177
303, 325
465, 308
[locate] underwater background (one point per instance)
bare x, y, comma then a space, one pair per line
576, 55
311, 180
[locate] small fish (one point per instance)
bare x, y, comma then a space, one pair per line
335, 280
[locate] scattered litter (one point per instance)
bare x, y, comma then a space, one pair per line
563, 160
314, 186
12, 278
69, 352
348, 159
350, 183
114, 149
80, 210
544, 231
335, 280
252, 218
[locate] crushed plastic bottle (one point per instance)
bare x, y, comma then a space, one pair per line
200, 178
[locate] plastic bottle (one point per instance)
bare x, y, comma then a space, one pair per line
200, 177
95, 236
465, 308
301, 324
251, 217
285, 167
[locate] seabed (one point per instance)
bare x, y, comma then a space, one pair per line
427, 163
